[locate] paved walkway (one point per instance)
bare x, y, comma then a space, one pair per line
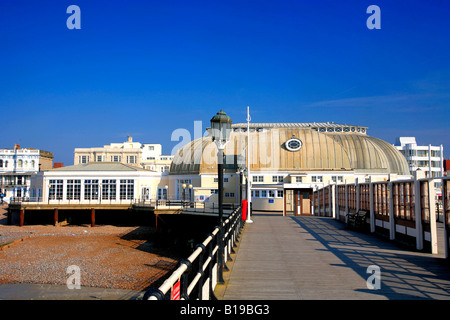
25, 291
284, 258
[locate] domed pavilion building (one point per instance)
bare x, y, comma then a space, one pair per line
287, 162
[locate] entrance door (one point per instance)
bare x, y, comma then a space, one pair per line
306, 202
289, 201
145, 193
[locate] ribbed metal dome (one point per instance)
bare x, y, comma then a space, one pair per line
320, 151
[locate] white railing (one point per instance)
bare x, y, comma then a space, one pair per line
196, 277
403, 210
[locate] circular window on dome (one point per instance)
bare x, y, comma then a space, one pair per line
293, 144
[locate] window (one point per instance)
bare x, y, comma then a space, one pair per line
298, 179
316, 178
214, 191
109, 189
73, 189
91, 189
151, 148
131, 159
126, 189
99, 158
263, 193
256, 193
279, 193
271, 193
1, 163
422, 153
217, 179
83, 159
33, 163
293, 144
277, 179
20, 163
422, 164
55, 191
116, 158
410, 153
258, 179
162, 194
436, 164
435, 153
229, 194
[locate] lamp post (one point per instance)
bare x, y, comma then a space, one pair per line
249, 191
184, 192
221, 129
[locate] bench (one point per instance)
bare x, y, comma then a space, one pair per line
357, 220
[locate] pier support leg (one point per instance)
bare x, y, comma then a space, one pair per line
55, 217
92, 217
21, 217
9, 217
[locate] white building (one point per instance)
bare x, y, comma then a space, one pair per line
153, 159
144, 155
17, 166
97, 183
429, 159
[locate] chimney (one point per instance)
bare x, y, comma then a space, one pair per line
130, 139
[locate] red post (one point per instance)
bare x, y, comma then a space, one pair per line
92, 217
244, 209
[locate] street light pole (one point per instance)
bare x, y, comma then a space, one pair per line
221, 129
249, 192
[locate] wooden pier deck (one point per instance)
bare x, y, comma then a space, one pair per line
295, 258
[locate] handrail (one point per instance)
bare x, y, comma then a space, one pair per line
202, 265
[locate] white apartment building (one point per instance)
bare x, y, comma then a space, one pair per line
17, 166
429, 159
145, 155
153, 159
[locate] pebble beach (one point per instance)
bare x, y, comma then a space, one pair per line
107, 256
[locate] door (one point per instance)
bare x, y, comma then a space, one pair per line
289, 197
145, 193
306, 202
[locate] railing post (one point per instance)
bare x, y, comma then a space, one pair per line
391, 211
358, 195
333, 200
209, 274
372, 209
432, 206
200, 271
346, 202
184, 279
418, 215
445, 205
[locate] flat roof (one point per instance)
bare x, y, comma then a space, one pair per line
100, 166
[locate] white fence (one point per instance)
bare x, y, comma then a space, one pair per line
403, 210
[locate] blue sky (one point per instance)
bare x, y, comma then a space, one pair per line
147, 68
